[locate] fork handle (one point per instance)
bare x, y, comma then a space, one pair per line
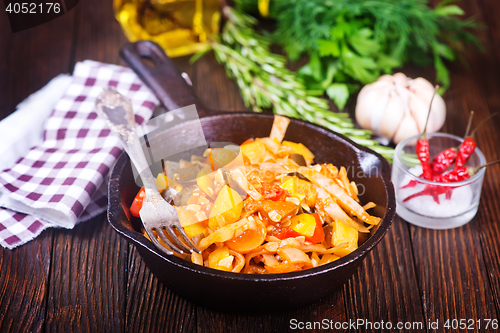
134, 149
117, 112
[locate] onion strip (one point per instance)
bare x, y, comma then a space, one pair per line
344, 200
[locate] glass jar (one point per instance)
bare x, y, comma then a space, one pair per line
453, 204
180, 27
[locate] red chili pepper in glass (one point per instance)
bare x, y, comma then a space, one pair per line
461, 173
469, 145
466, 150
449, 192
457, 175
442, 161
433, 190
424, 157
411, 183
422, 147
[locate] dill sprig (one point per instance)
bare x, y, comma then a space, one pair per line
265, 82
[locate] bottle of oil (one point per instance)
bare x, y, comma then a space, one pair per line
180, 27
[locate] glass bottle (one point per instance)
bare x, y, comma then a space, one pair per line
180, 27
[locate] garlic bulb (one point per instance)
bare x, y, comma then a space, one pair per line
396, 107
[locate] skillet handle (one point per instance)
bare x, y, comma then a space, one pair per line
158, 72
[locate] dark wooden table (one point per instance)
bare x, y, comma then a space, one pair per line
89, 279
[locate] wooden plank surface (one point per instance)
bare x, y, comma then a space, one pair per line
489, 137
213, 87
387, 274
24, 282
89, 264
97, 35
5, 39
150, 306
33, 58
89, 279
454, 276
26, 65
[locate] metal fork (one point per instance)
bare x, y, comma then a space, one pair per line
157, 215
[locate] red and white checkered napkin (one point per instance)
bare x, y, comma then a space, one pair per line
62, 181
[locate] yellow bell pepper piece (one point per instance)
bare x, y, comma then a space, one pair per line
186, 217
196, 229
344, 234
304, 224
291, 186
255, 151
227, 208
205, 181
328, 258
299, 148
220, 259
161, 181
221, 157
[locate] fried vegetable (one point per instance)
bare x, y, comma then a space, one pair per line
196, 229
278, 130
327, 204
263, 213
344, 234
327, 258
222, 234
304, 224
255, 151
220, 259
277, 210
344, 200
309, 226
291, 186
136, 206
242, 181
161, 182
283, 268
293, 255
221, 157
249, 240
205, 181
299, 148
227, 208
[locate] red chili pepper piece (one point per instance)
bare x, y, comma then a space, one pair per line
435, 196
423, 146
454, 176
449, 192
466, 149
461, 173
433, 190
442, 161
411, 183
424, 157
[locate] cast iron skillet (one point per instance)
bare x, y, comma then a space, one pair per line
237, 291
